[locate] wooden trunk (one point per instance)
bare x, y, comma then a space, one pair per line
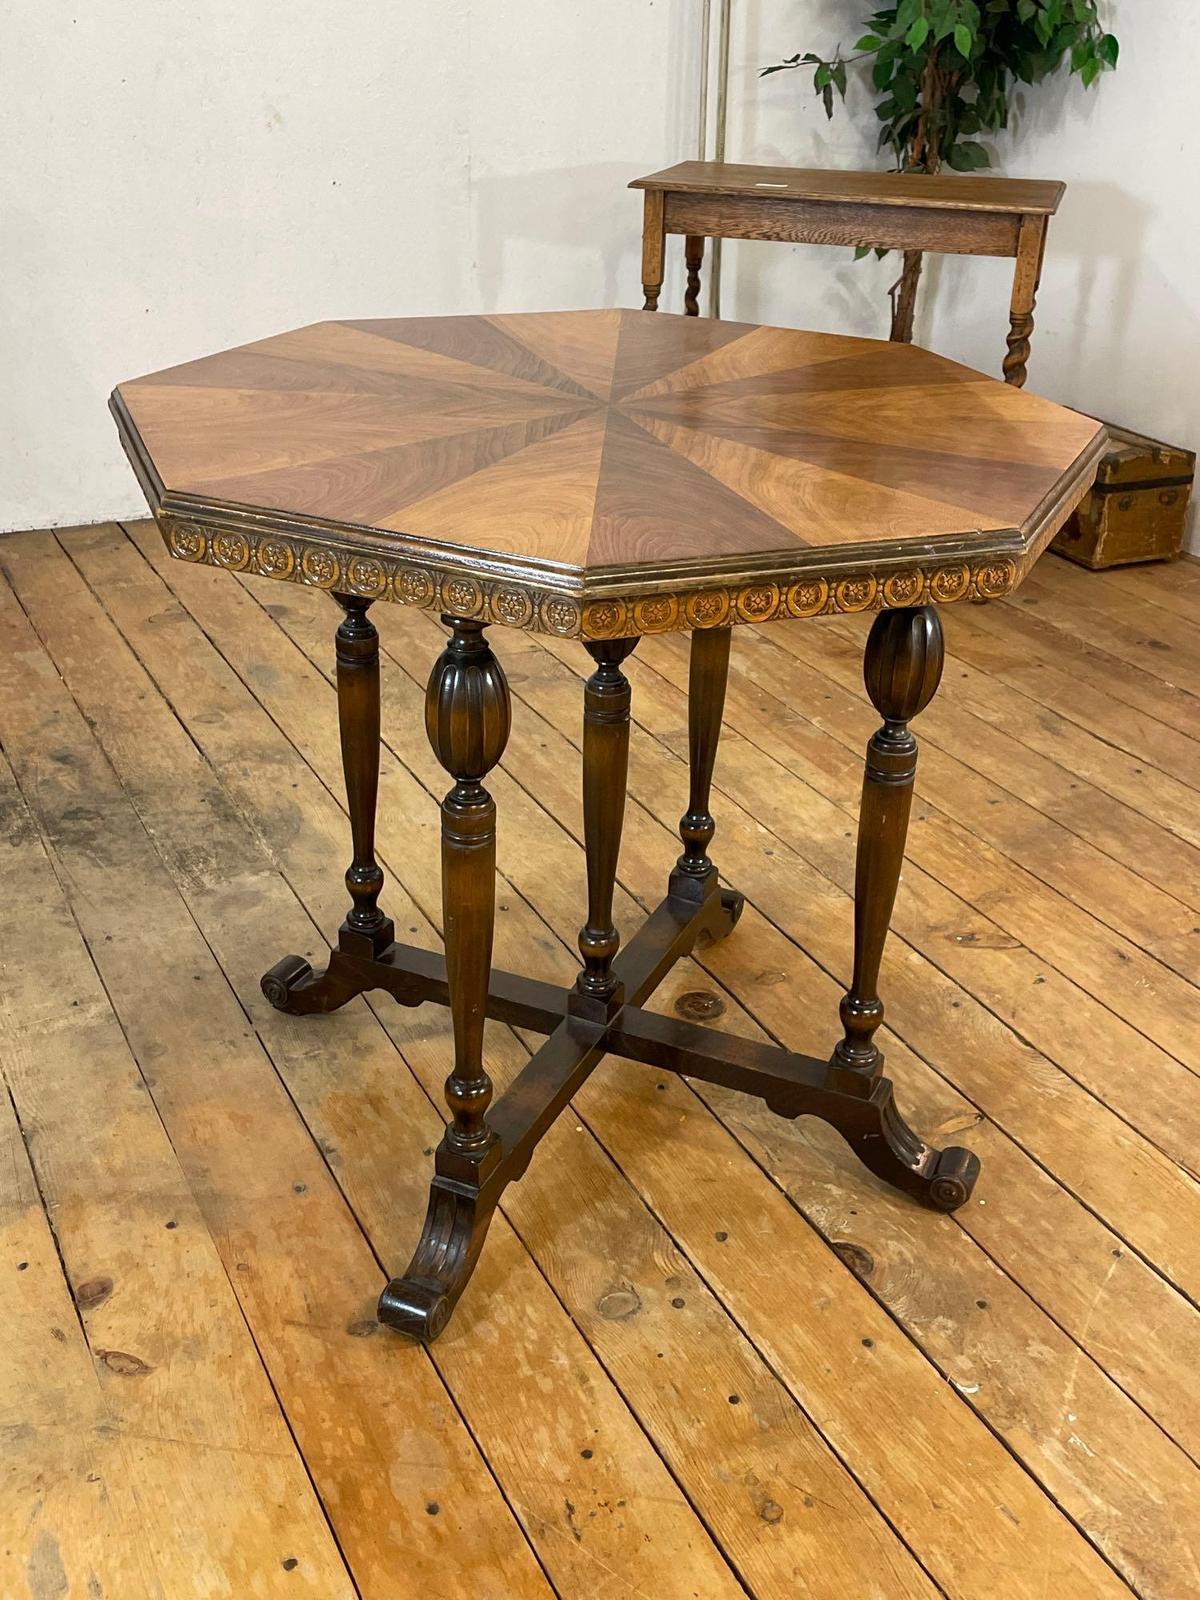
1137, 509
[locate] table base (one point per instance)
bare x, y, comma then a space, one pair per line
486, 1146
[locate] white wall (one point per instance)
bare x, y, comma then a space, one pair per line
178, 178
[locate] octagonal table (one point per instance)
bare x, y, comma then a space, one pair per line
604, 475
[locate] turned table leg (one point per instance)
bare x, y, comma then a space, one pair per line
467, 717
902, 669
694, 258
605, 774
654, 248
1031, 245
290, 985
358, 718
695, 876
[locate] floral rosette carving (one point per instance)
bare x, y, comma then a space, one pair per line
186, 541
320, 567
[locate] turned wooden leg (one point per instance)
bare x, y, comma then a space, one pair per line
654, 248
695, 876
1031, 247
902, 670
694, 257
290, 985
358, 715
605, 773
467, 716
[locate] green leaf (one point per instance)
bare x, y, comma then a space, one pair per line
1109, 49
967, 156
907, 13
861, 250
1091, 72
917, 34
963, 40
869, 41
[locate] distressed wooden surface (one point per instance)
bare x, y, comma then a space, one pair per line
705, 1353
949, 191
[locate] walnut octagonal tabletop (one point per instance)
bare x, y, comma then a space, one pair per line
605, 472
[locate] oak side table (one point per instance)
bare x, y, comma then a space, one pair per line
950, 214
603, 475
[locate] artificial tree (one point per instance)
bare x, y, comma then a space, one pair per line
944, 71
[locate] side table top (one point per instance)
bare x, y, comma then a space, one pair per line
605, 472
945, 191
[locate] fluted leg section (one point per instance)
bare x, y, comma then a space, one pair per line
605, 772
694, 258
902, 670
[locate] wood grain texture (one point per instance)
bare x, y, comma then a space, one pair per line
912, 213
373, 1119
768, 214
946, 191
604, 473
1041, 1318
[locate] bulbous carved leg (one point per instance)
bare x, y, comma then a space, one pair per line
290, 985
694, 257
467, 717
695, 876
887, 1146
605, 774
902, 670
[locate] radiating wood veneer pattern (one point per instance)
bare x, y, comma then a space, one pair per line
604, 472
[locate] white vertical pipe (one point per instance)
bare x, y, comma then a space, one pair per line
714, 272
705, 50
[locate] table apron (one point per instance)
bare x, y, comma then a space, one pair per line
894, 227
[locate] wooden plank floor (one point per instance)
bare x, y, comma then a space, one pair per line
705, 1354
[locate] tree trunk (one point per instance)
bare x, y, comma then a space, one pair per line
924, 155
904, 298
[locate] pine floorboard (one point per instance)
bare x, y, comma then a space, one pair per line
705, 1354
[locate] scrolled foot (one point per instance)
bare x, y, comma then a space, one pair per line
954, 1175
734, 903
884, 1143
417, 1309
292, 986
419, 1302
